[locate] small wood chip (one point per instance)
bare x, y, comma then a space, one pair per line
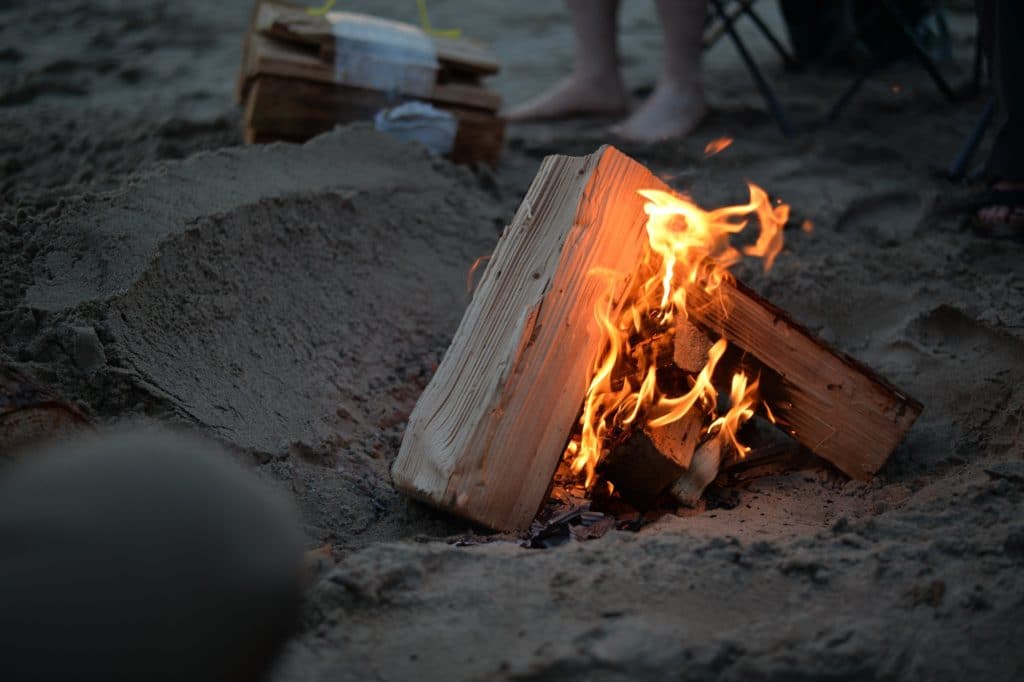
689, 487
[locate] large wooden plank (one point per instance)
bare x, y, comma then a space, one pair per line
293, 109
487, 434
831, 403
301, 109
294, 24
468, 96
264, 56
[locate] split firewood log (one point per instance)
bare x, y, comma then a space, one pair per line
651, 459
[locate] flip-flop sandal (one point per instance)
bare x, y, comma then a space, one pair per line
1012, 199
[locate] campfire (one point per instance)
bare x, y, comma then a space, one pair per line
608, 341
641, 387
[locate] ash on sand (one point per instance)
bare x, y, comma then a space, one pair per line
291, 302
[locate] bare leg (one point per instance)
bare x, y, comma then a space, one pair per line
677, 104
595, 85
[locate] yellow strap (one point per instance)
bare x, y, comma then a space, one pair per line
320, 11
429, 30
424, 19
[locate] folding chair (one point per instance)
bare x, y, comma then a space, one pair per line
727, 17
958, 169
727, 12
885, 10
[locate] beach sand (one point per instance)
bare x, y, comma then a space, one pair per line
291, 301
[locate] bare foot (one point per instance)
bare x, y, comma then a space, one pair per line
573, 96
670, 111
1010, 214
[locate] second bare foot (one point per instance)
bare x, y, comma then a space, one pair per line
574, 96
669, 112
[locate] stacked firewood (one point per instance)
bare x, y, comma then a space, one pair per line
492, 427
303, 74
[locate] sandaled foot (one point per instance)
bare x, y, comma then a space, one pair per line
1000, 208
670, 112
574, 96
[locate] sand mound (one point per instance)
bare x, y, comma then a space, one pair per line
289, 300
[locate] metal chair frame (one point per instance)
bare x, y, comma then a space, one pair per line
728, 13
727, 21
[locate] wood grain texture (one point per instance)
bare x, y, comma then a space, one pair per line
487, 434
293, 24
479, 137
264, 56
300, 109
292, 109
464, 95
829, 402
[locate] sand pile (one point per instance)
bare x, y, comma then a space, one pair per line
288, 301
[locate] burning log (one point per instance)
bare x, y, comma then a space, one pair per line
832, 404
546, 332
486, 435
690, 346
652, 459
685, 348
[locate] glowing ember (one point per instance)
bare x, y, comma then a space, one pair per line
472, 272
719, 144
687, 248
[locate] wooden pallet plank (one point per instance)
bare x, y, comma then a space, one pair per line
267, 57
295, 110
294, 24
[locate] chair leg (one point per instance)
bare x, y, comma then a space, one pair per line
922, 55
958, 169
847, 95
747, 7
717, 28
770, 98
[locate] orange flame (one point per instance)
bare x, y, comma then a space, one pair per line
687, 248
742, 399
470, 286
719, 144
